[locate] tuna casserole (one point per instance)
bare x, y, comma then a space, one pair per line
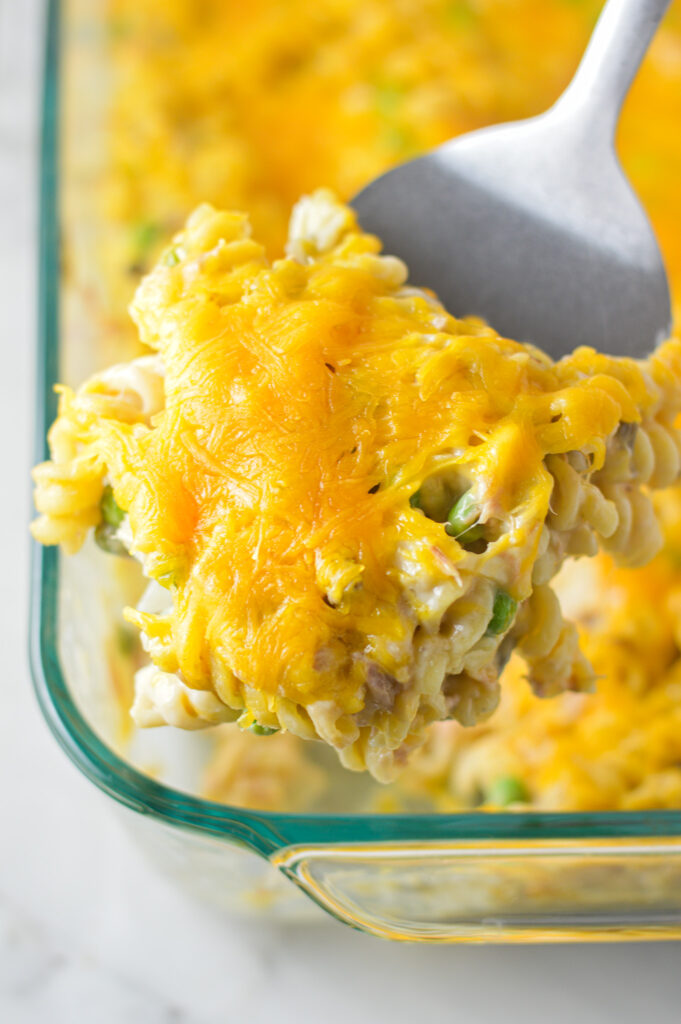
350, 505
435, 631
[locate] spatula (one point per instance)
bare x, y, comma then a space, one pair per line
533, 225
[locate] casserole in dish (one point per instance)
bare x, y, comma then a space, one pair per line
521, 875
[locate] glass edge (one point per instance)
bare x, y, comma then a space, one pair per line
263, 832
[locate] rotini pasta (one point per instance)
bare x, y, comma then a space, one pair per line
353, 503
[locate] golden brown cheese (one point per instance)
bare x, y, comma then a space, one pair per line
305, 404
247, 106
287, 402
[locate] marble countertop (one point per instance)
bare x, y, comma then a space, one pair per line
88, 930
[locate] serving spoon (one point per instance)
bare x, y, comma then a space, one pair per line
533, 224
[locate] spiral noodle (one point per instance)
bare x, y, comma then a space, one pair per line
456, 664
394, 617
69, 486
550, 647
163, 699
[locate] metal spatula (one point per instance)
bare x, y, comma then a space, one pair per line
533, 225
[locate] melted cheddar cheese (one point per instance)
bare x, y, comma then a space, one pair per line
248, 106
305, 404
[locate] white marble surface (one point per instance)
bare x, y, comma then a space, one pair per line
88, 932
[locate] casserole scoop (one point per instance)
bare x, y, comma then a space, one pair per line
533, 225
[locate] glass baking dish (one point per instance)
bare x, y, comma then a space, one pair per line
468, 877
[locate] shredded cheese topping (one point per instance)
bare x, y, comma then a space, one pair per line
306, 404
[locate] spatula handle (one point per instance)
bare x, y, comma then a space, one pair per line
617, 46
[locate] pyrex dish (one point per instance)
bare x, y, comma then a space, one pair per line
433, 877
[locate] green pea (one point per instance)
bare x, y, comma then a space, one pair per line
507, 789
389, 97
473, 533
126, 638
462, 520
106, 532
503, 610
460, 14
119, 28
263, 730
112, 513
171, 258
415, 500
145, 235
398, 139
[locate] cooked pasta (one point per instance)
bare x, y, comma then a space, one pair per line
356, 88
353, 502
69, 487
618, 748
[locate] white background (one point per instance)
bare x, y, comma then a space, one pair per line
88, 932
